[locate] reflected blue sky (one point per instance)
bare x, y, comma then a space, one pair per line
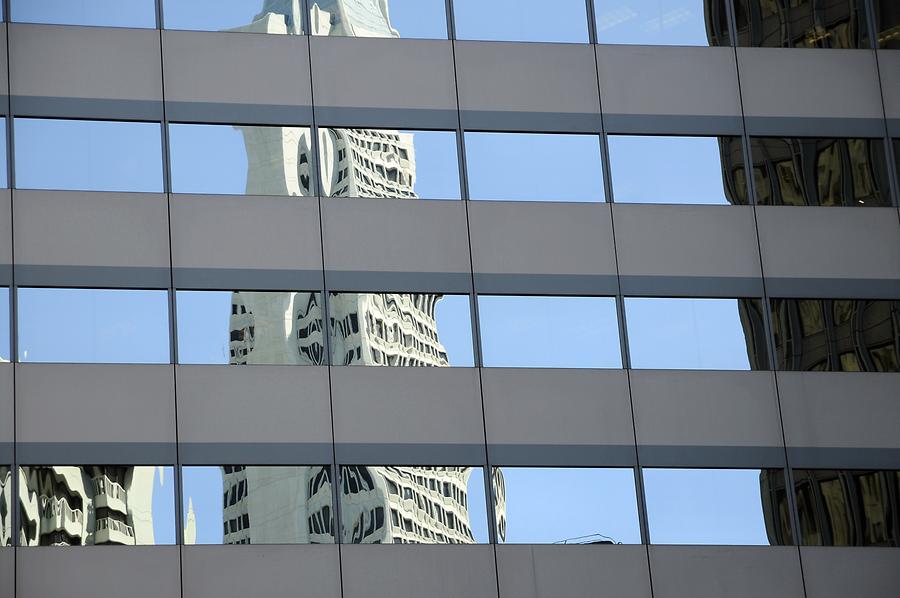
684, 333
525, 166
203, 486
4, 174
548, 505
203, 326
478, 520
437, 164
563, 332
423, 19
663, 22
93, 326
164, 505
705, 506
679, 170
521, 20
453, 314
105, 13
88, 155
5, 347
207, 159
209, 15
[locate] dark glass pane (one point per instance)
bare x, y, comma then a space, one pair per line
802, 23
6, 506
545, 505
848, 508
423, 19
837, 335
96, 505
5, 348
521, 20
663, 22
247, 504
717, 506
250, 327
413, 505
677, 170
249, 16
388, 163
103, 13
401, 329
820, 172
696, 334
887, 23
240, 159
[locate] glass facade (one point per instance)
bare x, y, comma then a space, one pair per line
245, 16
802, 24
100, 13
666, 22
5, 349
521, 20
423, 19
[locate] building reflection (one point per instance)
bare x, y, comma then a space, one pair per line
86, 505
802, 23
5, 506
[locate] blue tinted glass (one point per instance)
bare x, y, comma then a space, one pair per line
661, 22
236, 504
401, 329
4, 324
540, 167
711, 506
566, 506
103, 13
93, 326
423, 19
549, 332
676, 170
4, 168
521, 20
253, 16
250, 327
252, 160
388, 163
695, 334
88, 155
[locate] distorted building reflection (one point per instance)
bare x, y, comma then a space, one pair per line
802, 23
841, 335
776, 507
887, 23
5, 506
87, 505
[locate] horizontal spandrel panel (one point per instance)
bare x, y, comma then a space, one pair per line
663, 22
240, 159
401, 329
58, 325
389, 163
102, 13
521, 20
836, 335
677, 170
549, 332
848, 507
802, 24
421, 19
96, 505
4, 325
250, 327
6, 506
249, 16
537, 505
413, 505
820, 172
696, 334
534, 167
717, 506
246, 504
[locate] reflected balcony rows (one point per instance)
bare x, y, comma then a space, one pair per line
759, 23
436, 330
237, 504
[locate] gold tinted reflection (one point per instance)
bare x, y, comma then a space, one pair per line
776, 508
802, 23
887, 23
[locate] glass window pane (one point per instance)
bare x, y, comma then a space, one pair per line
5, 346
413, 505
695, 334
250, 327
88, 155
93, 326
240, 504
549, 332
820, 172
716, 506
4, 162
802, 24
521, 20
96, 504
837, 335
240, 159
102, 13
505, 166
6, 506
848, 508
662, 22
388, 163
251, 16
423, 19
887, 24
542, 505
677, 170
400, 329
